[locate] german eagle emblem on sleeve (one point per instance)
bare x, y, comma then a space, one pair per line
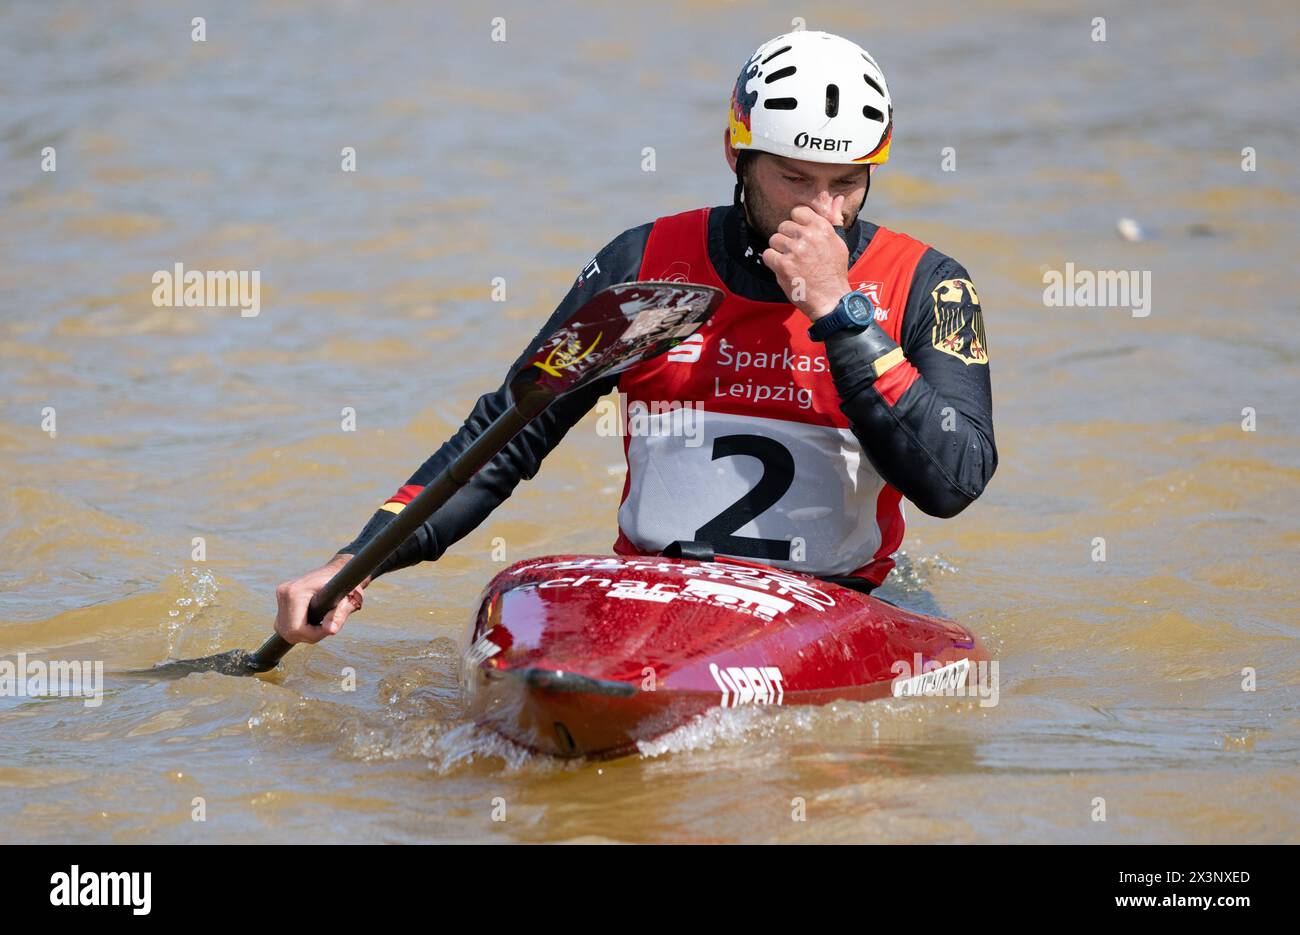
958, 322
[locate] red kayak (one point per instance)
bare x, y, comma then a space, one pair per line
587, 655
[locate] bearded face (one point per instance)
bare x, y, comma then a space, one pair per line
776, 185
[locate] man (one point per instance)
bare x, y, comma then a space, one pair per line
847, 367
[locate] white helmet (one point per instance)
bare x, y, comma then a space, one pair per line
814, 96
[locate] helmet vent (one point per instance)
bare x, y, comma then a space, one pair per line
779, 74
780, 103
872, 114
875, 84
784, 48
832, 100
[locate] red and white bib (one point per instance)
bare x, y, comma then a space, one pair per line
735, 437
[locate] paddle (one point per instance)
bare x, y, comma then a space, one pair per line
618, 327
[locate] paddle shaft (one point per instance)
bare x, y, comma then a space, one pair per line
453, 477
615, 329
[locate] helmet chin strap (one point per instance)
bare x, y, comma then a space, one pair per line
749, 235
737, 197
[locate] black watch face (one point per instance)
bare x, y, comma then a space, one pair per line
858, 307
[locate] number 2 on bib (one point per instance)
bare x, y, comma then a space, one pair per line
778, 475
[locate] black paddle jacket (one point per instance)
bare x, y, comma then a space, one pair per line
934, 444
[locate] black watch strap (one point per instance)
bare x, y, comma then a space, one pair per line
852, 313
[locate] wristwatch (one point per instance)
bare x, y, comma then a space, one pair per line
867, 345
853, 311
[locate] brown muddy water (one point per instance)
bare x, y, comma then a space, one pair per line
1121, 680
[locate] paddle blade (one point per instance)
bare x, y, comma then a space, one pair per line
620, 326
234, 662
